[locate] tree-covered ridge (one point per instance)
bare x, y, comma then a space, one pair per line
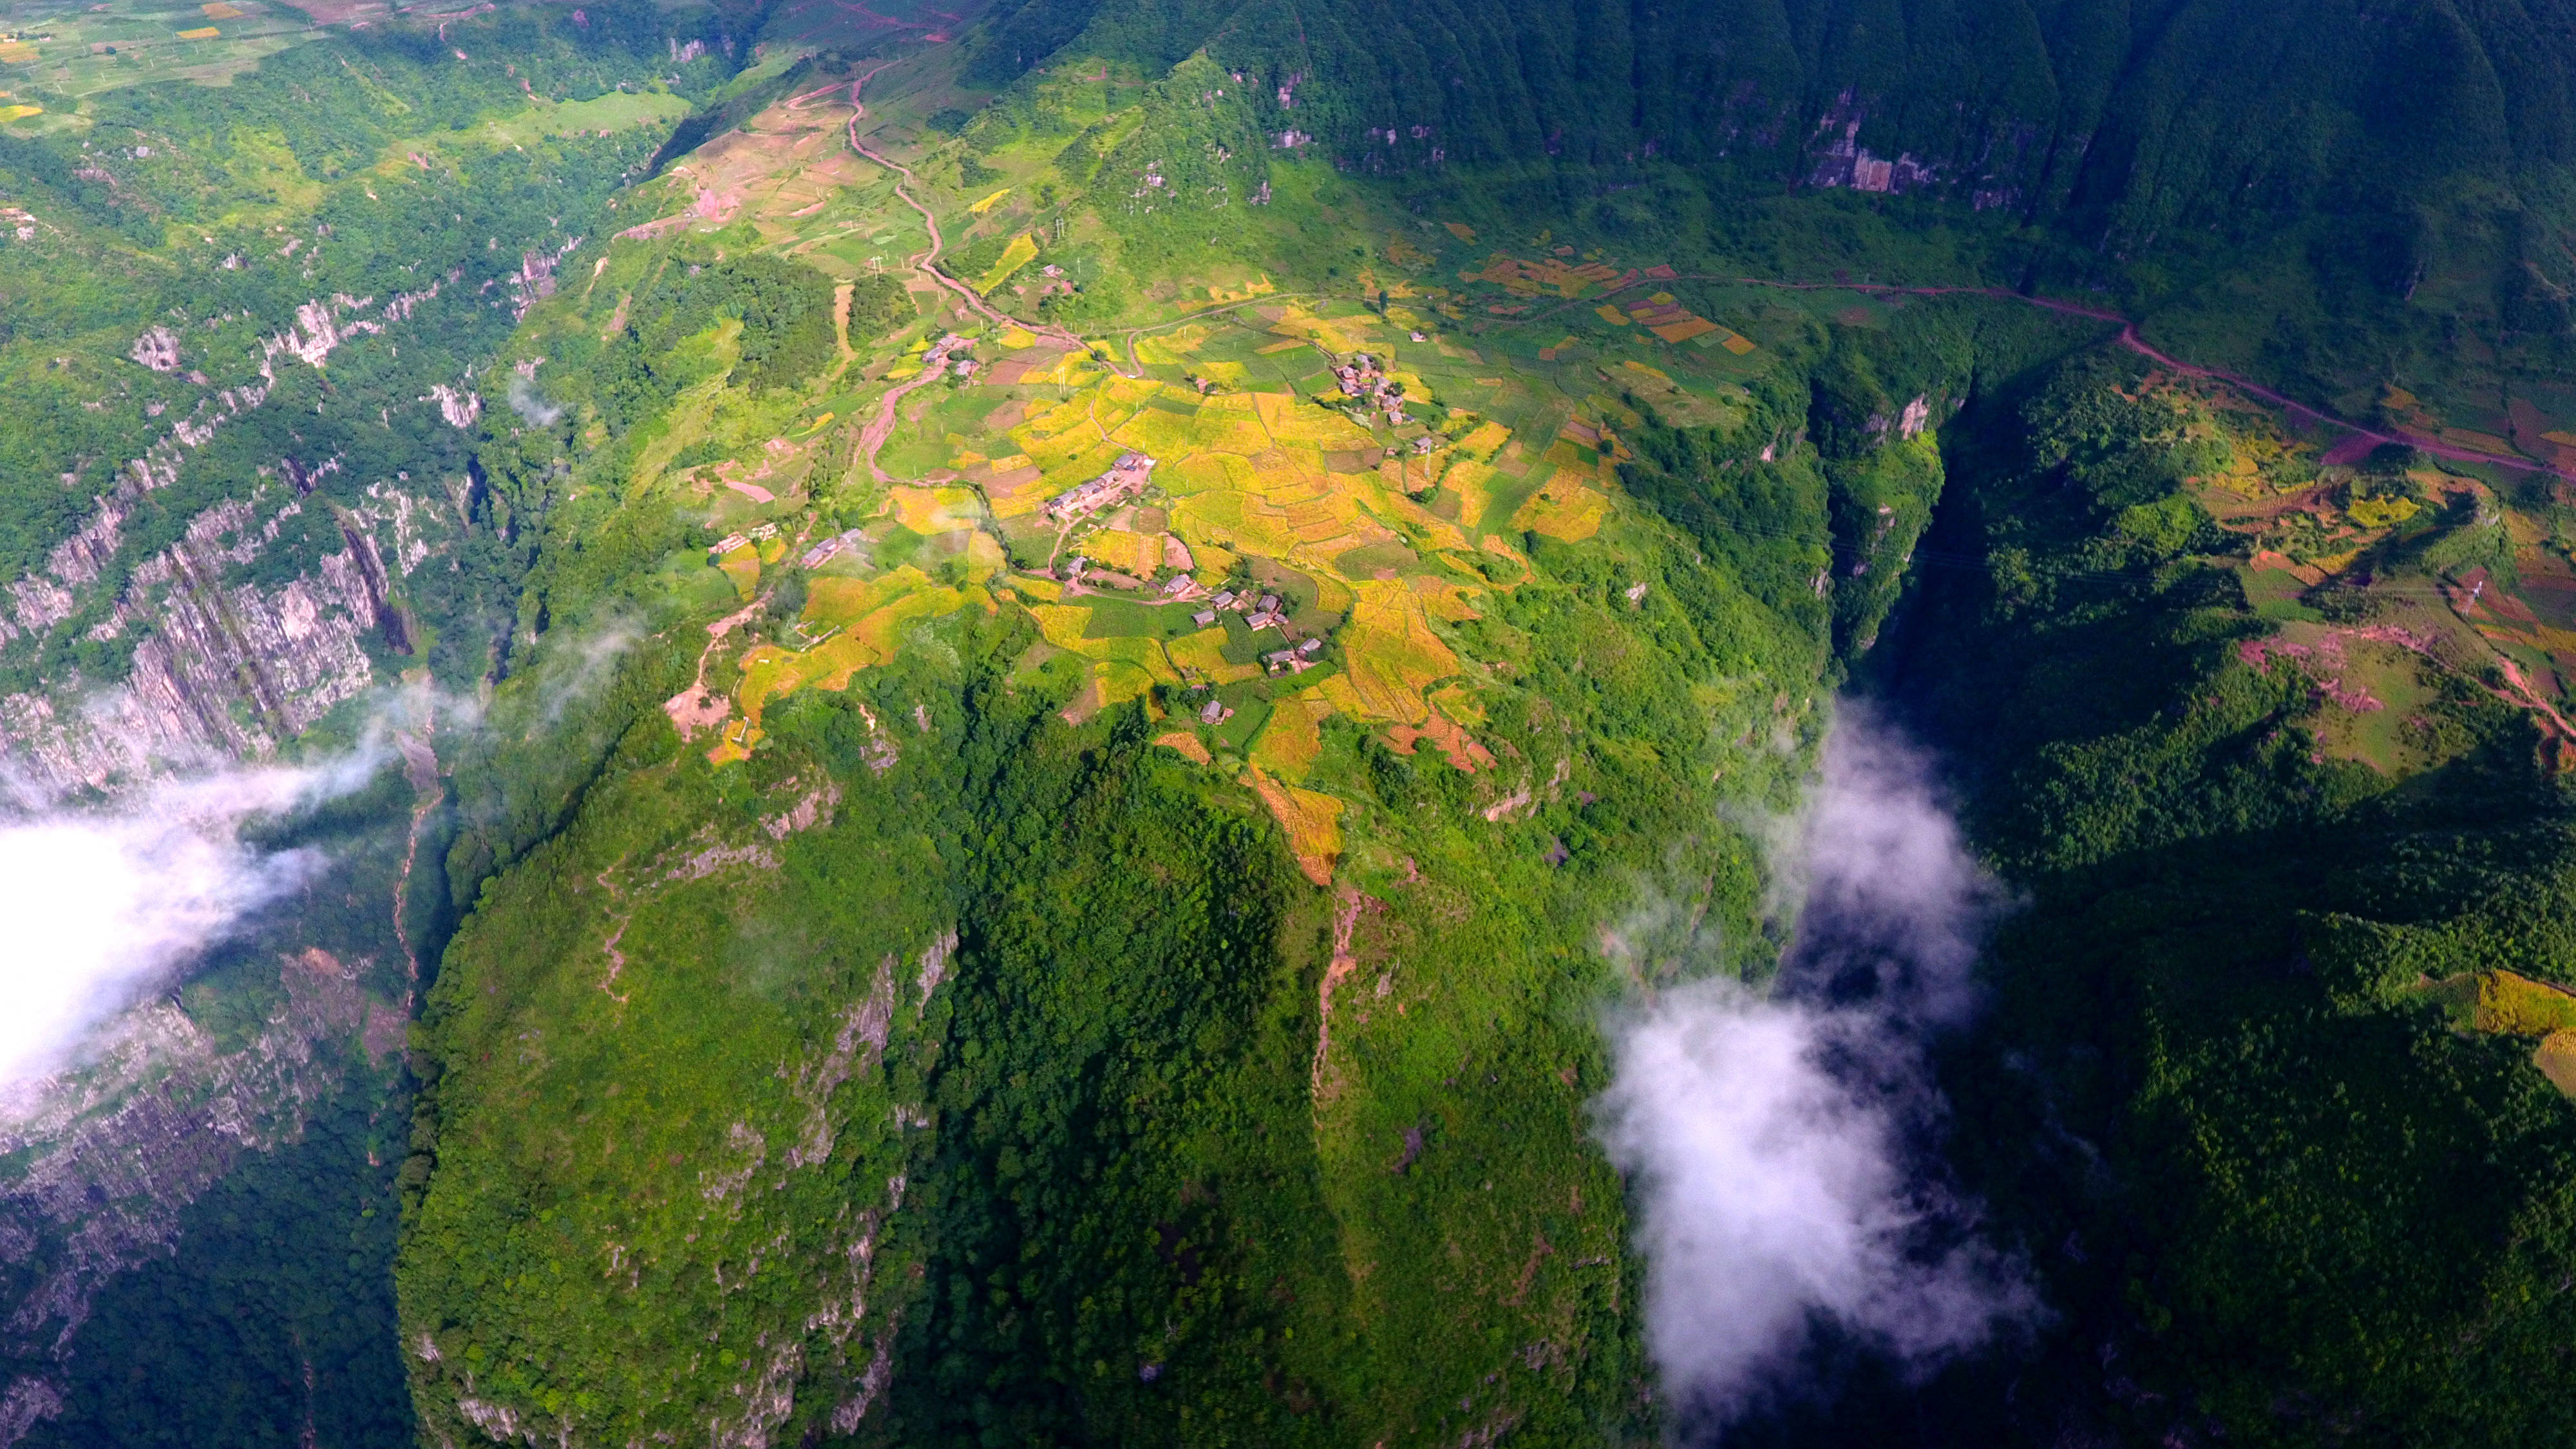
2169, 115
2264, 188
913, 991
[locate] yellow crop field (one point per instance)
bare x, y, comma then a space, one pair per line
203, 32
1610, 314
1159, 434
16, 52
1484, 442
1198, 653
838, 601
1292, 739
1016, 338
219, 10
18, 112
1172, 349
1202, 471
1055, 422
1233, 424
1685, 330
1118, 681
1214, 563
1062, 624
1563, 508
1022, 251
877, 610
1289, 419
1737, 343
1473, 483
1455, 701
989, 202
1233, 520
1187, 744
880, 630
1070, 369
2520, 1006
1460, 230
1392, 652
1435, 532
934, 510
1313, 822
1129, 553
743, 567
1447, 602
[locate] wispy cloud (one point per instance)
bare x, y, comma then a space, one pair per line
1774, 1141
107, 905
530, 404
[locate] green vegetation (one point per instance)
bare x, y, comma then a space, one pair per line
901, 993
274, 1320
2228, 976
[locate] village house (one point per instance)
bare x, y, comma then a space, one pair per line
823, 552
1365, 382
1125, 479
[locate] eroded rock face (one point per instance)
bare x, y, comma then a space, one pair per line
157, 349
115, 1151
225, 667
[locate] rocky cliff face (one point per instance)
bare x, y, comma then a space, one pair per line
233, 652
277, 604
114, 1151
225, 667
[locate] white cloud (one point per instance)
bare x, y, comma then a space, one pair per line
1772, 1142
102, 907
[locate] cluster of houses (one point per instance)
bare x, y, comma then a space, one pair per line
1366, 382
825, 551
949, 346
732, 541
1125, 479
1265, 612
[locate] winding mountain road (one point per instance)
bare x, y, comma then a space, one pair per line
873, 437
2130, 339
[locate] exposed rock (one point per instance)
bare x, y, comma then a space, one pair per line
459, 408
223, 670
157, 349
115, 1151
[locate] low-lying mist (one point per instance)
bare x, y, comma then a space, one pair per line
1777, 1145
106, 905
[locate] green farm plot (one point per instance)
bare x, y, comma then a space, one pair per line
615, 111
1112, 617
84, 51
